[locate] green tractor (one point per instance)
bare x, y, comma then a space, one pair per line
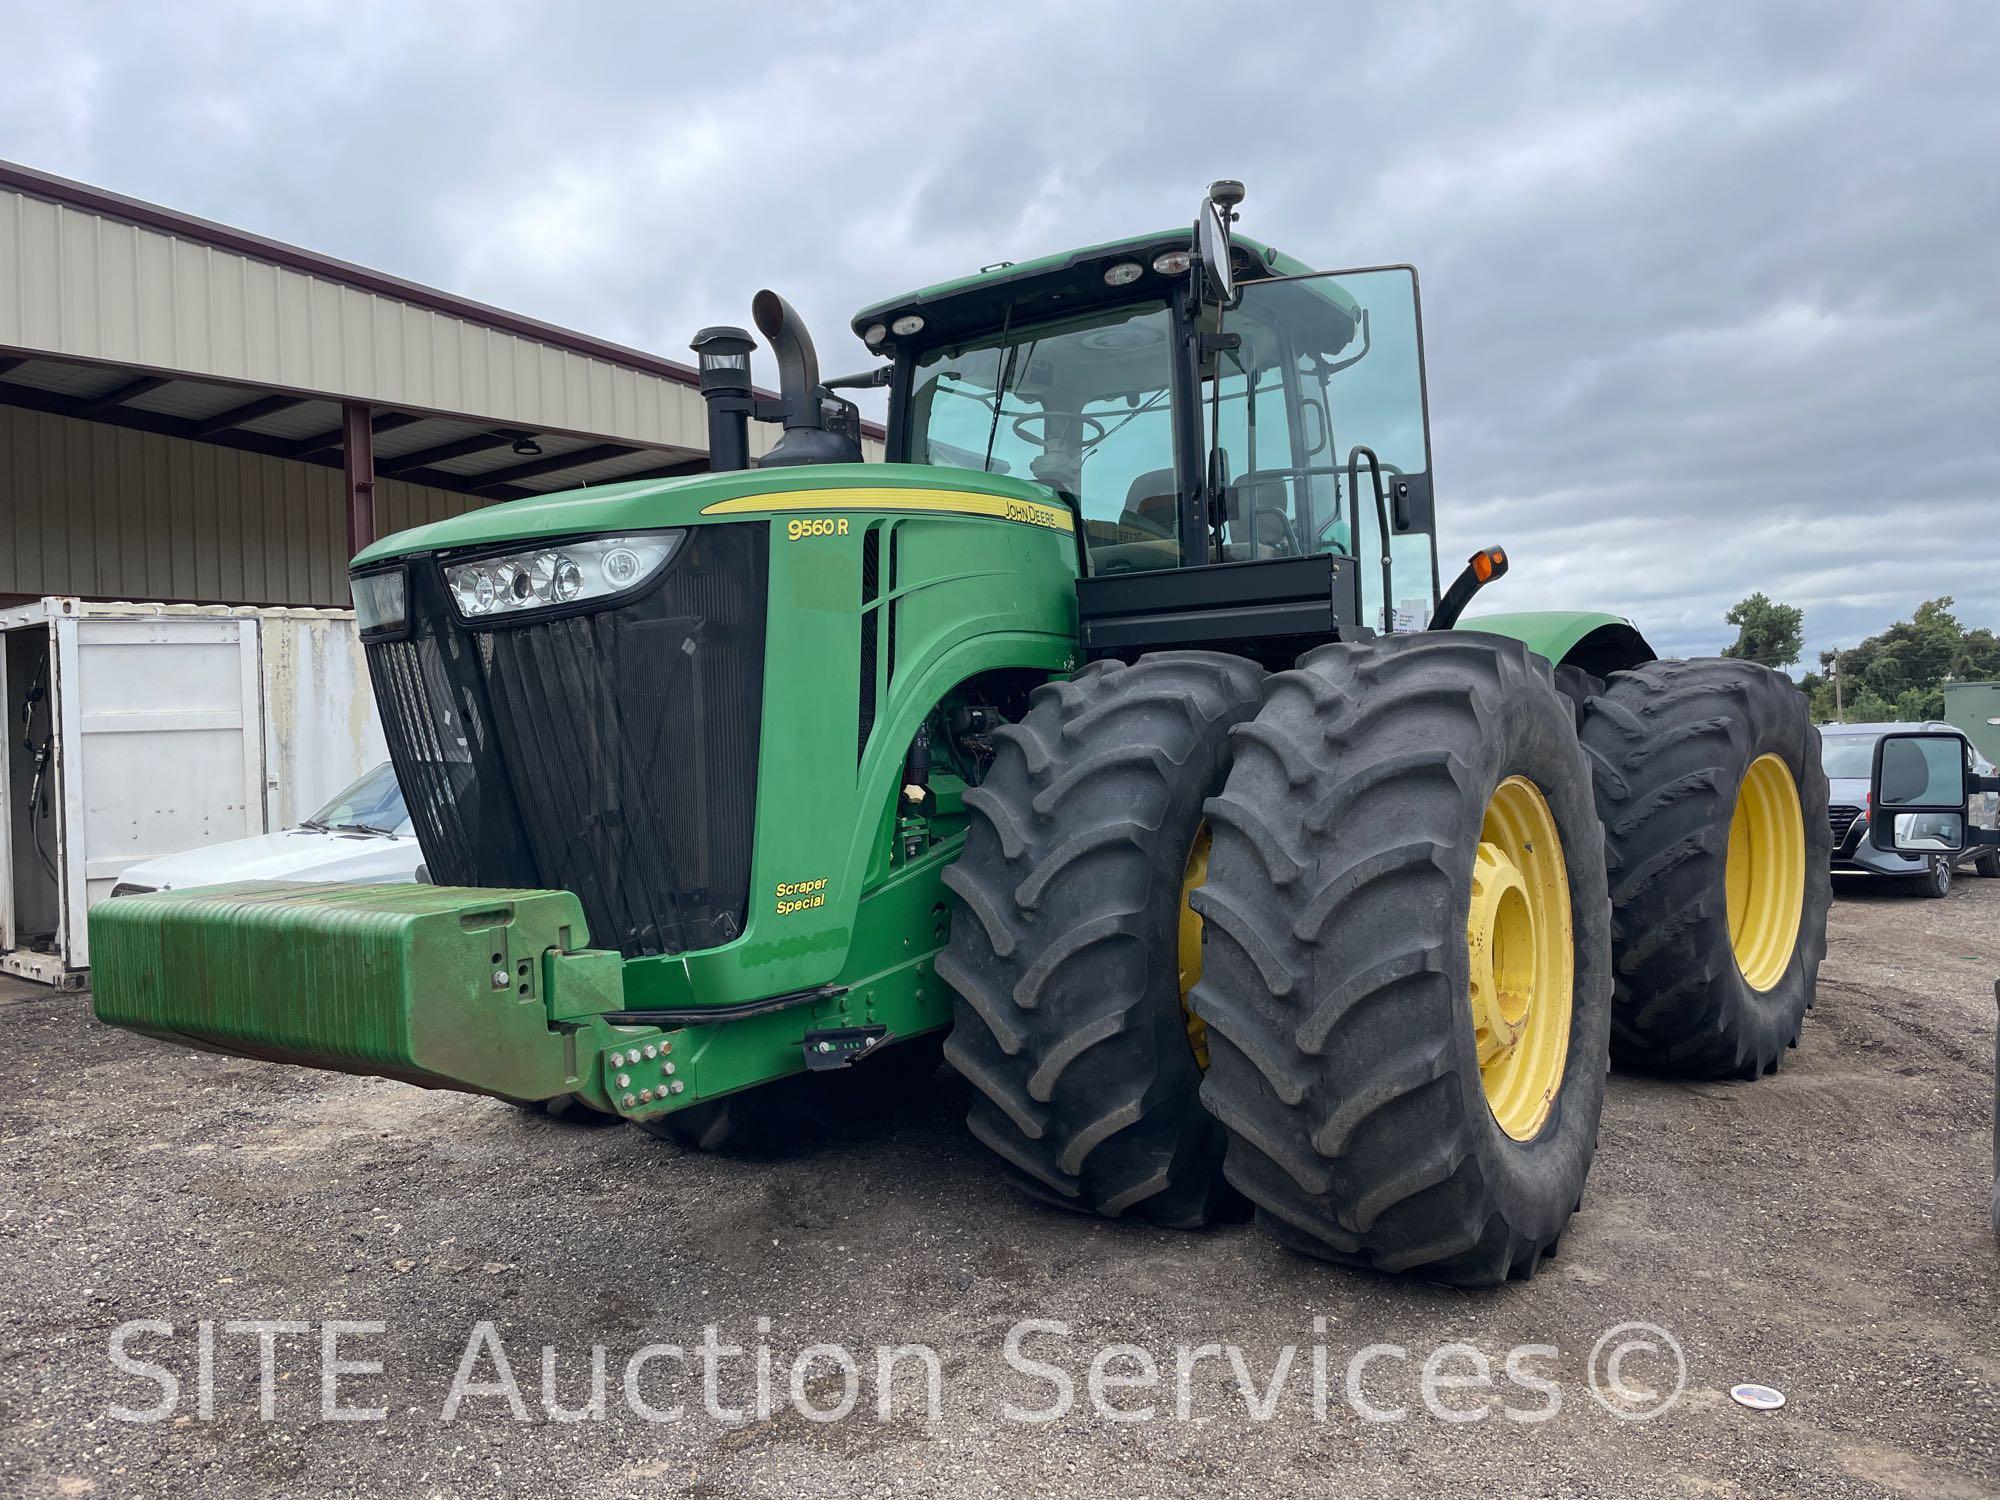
1114, 733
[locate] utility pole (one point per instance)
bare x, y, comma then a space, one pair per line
1839, 717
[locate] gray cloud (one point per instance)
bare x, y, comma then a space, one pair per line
1710, 293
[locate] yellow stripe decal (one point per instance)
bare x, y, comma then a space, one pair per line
950, 502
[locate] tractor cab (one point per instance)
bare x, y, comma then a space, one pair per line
1246, 449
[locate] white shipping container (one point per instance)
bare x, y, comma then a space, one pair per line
138, 730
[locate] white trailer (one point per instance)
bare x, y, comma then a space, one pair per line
137, 730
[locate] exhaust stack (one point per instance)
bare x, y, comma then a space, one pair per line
801, 397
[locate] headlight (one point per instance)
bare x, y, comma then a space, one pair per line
380, 601
557, 573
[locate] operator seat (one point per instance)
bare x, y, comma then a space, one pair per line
1152, 510
1146, 534
1152, 505
1260, 508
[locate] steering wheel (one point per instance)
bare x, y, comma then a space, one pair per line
1094, 430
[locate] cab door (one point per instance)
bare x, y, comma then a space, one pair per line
1317, 422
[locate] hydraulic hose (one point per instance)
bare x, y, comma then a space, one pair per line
35, 822
37, 691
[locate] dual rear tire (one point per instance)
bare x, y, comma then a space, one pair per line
1407, 976
1441, 890
1347, 810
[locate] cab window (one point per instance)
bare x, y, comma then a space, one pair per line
1081, 405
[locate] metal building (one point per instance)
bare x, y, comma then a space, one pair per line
1973, 708
195, 416
192, 413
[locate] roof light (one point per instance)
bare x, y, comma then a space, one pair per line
1124, 273
1173, 262
875, 334
906, 325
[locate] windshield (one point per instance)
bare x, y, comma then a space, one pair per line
1850, 755
1321, 365
374, 802
1081, 405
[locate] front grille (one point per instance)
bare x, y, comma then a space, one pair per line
1840, 819
612, 754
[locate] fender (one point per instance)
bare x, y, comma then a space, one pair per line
1600, 644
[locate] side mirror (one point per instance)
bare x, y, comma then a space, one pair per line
1920, 793
1211, 238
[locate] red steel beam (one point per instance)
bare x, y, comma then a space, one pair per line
357, 455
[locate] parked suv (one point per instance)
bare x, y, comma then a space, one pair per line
1847, 752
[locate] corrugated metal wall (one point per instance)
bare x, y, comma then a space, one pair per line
80, 286
109, 513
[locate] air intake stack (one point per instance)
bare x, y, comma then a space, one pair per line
723, 355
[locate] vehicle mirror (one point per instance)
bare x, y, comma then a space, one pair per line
1921, 779
1920, 770
1928, 833
1212, 239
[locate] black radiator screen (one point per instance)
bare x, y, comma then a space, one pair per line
612, 754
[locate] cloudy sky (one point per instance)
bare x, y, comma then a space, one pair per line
1712, 292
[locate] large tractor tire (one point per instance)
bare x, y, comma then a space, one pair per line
1717, 843
1407, 977
1067, 946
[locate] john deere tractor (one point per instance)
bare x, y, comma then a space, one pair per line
1115, 731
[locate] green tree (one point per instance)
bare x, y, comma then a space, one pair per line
1766, 632
1900, 673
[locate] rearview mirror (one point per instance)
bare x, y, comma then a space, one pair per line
1919, 787
1212, 238
1929, 833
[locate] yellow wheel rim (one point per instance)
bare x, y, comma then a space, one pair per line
1190, 943
1519, 935
1766, 872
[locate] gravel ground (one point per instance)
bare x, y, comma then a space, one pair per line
1824, 1231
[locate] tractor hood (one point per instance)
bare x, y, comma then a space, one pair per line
701, 499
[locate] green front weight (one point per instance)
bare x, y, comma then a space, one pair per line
441, 986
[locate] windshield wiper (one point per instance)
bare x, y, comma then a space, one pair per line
364, 828
1000, 391
314, 824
